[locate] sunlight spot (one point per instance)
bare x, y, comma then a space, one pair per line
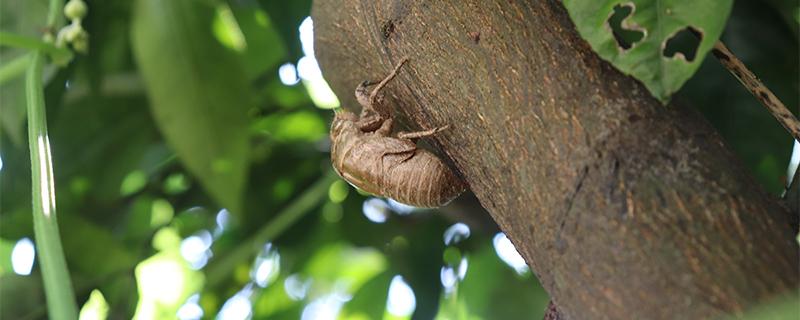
133, 182
52, 184
451, 275
506, 251
191, 310
166, 239
295, 287
161, 213
267, 266
196, 249
321, 94
176, 183
161, 280
239, 306
165, 281
288, 74
22, 257
308, 69
338, 191
376, 210
456, 233
325, 308
223, 220
462, 268
401, 301
1, 163
46, 184
307, 36
400, 208
793, 163
96, 308
227, 30
449, 279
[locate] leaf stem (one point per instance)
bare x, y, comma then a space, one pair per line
56, 277
282, 221
757, 88
20, 41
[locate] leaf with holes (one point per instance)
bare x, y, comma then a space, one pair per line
198, 91
659, 42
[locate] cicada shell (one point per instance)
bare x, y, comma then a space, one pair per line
390, 166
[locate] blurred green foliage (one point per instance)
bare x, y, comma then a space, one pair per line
178, 111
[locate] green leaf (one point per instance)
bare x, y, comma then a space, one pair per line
199, 93
649, 58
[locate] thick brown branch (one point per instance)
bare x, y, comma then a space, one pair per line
623, 208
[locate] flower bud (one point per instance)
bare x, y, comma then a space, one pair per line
75, 9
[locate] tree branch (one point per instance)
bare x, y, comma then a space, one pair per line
623, 208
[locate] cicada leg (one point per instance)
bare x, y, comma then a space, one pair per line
421, 134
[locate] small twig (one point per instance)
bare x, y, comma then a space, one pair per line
758, 89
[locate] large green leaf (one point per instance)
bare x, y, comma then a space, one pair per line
198, 90
657, 22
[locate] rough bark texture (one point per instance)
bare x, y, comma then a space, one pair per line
623, 208
551, 313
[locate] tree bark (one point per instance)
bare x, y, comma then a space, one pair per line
623, 208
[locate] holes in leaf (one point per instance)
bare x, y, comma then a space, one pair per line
624, 32
683, 44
